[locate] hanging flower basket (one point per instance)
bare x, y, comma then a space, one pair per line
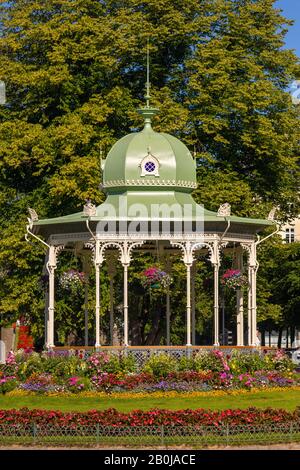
234, 279
71, 280
155, 278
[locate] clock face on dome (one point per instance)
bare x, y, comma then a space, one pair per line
149, 165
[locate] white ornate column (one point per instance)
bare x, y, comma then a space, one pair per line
249, 310
216, 304
125, 304
51, 266
240, 301
188, 305
254, 304
97, 258
188, 258
111, 269
98, 261
86, 269
252, 270
188, 249
45, 273
215, 261
193, 274
126, 248
168, 307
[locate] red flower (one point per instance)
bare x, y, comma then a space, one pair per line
154, 417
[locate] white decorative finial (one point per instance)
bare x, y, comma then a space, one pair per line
89, 209
224, 210
33, 215
272, 212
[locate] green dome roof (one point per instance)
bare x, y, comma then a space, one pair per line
152, 169
149, 159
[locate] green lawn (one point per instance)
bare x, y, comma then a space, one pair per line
286, 399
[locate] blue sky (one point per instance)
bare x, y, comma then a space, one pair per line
291, 10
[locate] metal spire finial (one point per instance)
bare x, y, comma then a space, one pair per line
148, 76
148, 112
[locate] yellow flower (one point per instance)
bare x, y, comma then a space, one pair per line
158, 394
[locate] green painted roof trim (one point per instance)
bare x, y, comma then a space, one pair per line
208, 217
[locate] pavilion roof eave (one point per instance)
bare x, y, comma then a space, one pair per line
208, 216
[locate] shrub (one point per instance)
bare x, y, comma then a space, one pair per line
186, 363
212, 360
78, 384
127, 363
41, 383
241, 363
63, 367
278, 360
160, 365
27, 364
110, 363
7, 383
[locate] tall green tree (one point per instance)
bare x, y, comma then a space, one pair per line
279, 286
75, 73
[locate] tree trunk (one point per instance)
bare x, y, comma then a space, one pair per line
135, 332
287, 337
263, 337
159, 335
279, 337
293, 334
151, 338
135, 324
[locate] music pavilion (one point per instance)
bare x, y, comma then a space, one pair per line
149, 178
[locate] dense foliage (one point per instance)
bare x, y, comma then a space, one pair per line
75, 73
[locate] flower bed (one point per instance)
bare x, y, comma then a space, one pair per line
111, 373
154, 417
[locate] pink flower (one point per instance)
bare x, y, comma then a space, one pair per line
73, 380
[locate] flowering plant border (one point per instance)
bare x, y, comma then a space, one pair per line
153, 417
